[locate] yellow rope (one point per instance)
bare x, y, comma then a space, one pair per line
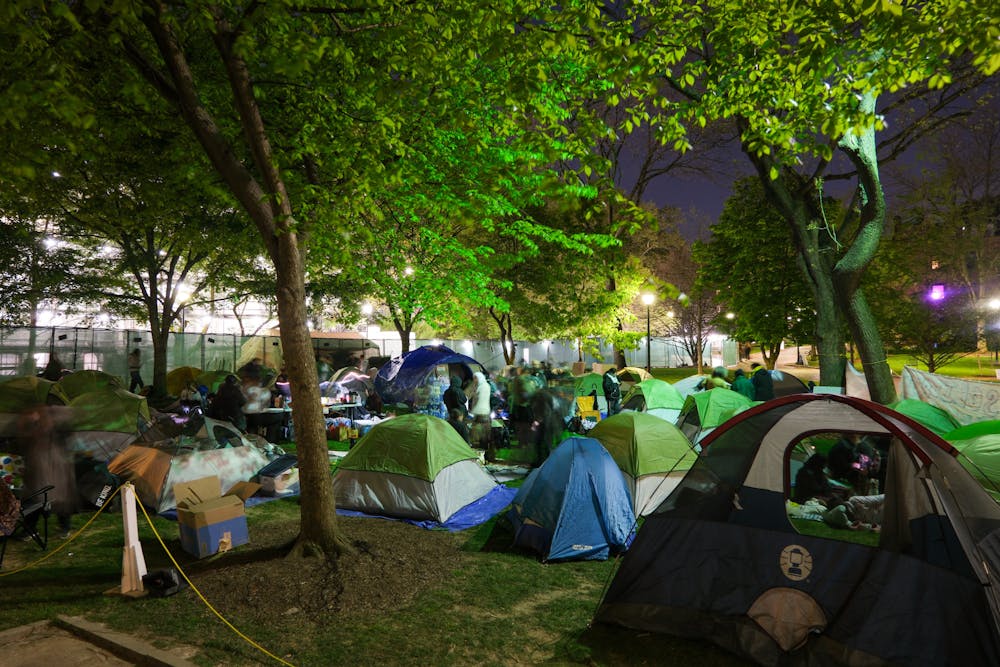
202, 597
68, 540
172, 560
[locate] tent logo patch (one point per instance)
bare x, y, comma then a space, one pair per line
795, 562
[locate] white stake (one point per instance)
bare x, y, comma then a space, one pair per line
133, 563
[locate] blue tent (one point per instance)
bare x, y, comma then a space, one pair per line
398, 379
576, 506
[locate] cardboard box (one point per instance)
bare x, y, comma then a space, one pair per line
210, 522
278, 483
214, 538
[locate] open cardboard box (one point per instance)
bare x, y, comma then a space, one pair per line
210, 521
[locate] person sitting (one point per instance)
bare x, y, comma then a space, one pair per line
811, 481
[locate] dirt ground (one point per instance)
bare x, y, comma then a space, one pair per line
390, 568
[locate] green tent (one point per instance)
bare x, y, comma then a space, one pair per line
653, 394
705, 410
212, 379
929, 415
17, 394
981, 457
653, 455
83, 382
974, 430
412, 466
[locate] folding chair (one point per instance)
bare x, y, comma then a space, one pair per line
25, 513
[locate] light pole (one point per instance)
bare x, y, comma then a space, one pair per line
648, 299
366, 310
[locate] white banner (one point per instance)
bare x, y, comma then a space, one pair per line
967, 401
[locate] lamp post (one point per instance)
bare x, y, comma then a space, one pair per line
648, 299
366, 310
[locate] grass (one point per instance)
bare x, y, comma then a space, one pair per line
499, 608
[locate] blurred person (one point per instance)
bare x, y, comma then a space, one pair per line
480, 409
134, 371
48, 460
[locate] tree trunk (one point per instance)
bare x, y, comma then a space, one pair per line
317, 531
797, 201
263, 195
861, 149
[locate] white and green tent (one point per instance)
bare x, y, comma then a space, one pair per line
652, 454
655, 397
411, 467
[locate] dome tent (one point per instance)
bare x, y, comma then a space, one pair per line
721, 560
652, 454
411, 467
398, 380
576, 506
655, 397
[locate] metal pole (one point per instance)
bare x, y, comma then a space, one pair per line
649, 361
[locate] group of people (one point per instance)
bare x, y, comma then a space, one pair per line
847, 483
757, 386
246, 401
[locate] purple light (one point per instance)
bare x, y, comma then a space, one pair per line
936, 293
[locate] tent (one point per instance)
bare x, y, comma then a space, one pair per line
980, 455
587, 383
930, 416
786, 383
651, 453
656, 397
720, 560
178, 379
17, 394
412, 466
705, 410
212, 379
576, 506
397, 380
83, 382
632, 375
106, 420
689, 385
154, 468
344, 380
975, 430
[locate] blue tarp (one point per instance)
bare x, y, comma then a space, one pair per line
576, 506
473, 514
397, 379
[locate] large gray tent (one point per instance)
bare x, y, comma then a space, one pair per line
721, 560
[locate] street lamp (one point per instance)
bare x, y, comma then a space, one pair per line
648, 299
366, 310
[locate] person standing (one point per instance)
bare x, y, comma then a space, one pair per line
48, 460
54, 369
612, 387
763, 385
522, 389
134, 371
480, 409
228, 403
742, 384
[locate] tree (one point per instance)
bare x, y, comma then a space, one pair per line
300, 110
147, 232
760, 282
801, 82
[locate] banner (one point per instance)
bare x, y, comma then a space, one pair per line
967, 401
